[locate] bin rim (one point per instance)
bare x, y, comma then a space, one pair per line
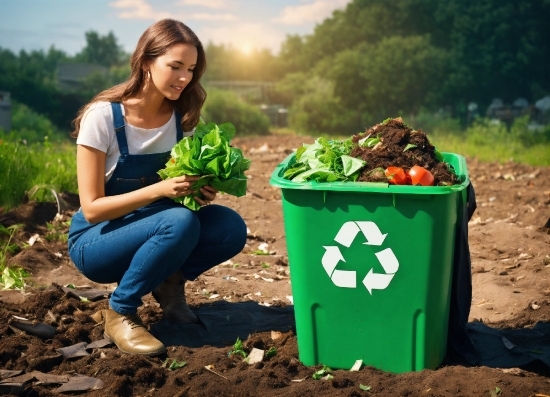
457, 161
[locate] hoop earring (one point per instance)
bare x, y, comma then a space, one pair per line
146, 80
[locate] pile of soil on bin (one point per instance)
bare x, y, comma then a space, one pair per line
400, 146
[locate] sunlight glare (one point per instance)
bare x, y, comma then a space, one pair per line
246, 48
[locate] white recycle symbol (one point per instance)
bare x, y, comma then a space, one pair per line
348, 278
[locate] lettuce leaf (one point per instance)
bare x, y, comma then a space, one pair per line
208, 153
324, 161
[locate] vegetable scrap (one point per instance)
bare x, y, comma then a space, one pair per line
208, 153
388, 152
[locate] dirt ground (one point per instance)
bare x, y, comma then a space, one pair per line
510, 251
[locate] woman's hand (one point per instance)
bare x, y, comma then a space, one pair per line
183, 186
178, 186
209, 193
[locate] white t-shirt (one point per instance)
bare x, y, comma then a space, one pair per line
97, 131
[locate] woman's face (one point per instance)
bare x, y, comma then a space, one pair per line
171, 72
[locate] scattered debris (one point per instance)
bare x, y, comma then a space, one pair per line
31, 327
211, 369
81, 383
91, 294
357, 365
15, 385
255, 356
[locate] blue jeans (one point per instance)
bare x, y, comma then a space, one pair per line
140, 250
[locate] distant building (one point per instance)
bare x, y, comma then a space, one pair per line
277, 114
498, 110
71, 75
5, 111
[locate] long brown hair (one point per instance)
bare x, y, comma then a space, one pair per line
154, 42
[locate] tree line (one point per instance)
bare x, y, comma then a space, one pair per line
372, 60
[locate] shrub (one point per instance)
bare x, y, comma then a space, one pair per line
222, 106
319, 111
31, 127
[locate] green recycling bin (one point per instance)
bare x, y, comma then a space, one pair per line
371, 269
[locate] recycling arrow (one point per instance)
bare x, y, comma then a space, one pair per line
381, 281
374, 237
370, 230
341, 278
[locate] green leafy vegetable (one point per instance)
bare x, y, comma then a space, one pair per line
325, 161
208, 153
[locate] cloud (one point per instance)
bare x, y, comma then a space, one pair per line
217, 4
137, 9
316, 11
210, 17
140, 9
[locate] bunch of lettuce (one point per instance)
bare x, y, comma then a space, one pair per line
208, 153
324, 161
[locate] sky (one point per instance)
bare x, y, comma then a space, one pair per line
244, 24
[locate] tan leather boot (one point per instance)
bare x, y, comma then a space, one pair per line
129, 333
171, 296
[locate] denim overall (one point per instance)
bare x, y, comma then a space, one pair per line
141, 249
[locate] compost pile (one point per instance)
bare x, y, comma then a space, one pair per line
399, 146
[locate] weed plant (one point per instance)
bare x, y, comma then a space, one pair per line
10, 277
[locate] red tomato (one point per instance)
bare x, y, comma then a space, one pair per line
396, 175
421, 176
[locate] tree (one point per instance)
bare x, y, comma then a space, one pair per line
391, 57
402, 75
500, 48
102, 50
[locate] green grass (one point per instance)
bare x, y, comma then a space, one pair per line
496, 143
24, 166
537, 155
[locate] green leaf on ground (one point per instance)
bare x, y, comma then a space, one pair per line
238, 349
322, 372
